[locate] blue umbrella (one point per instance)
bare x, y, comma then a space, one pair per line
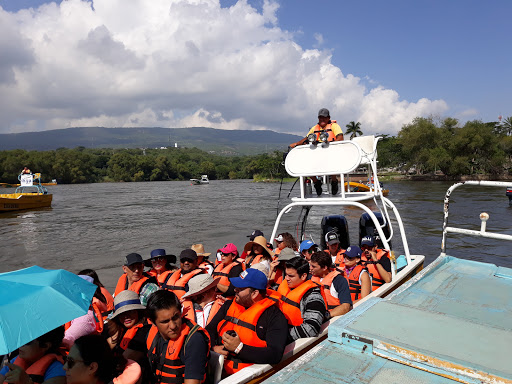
36, 300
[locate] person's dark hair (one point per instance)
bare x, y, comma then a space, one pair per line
322, 259
298, 263
95, 349
54, 337
159, 300
289, 241
92, 273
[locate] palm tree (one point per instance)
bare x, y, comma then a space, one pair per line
507, 125
354, 129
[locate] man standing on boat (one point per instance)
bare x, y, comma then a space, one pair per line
135, 279
334, 133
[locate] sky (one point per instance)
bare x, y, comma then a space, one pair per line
252, 64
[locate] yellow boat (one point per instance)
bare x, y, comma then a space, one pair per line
28, 195
359, 187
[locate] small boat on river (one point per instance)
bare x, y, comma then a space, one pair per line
201, 181
29, 195
318, 215
450, 323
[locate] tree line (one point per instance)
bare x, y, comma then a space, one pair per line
426, 145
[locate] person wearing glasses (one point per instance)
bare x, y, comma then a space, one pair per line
285, 240
38, 361
177, 349
228, 267
135, 279
178, 281
307, 248
250, 329
333, 132
161, 265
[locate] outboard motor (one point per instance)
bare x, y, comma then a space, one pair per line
367, 228
336, 223
509, 194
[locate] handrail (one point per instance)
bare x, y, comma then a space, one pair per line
483, 216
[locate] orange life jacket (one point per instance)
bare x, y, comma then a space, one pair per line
204, 266
332, 302
223, 272
108, 296
279, 276
122, 284
128, 336
318, 130
290, 300
339, 261
353, 282
189, 312
160, 278
254, 260
377, 280
243, 321
171, 369
37, 370
176, 283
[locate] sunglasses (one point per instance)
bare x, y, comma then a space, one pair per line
160, 258
225, 254
71, 362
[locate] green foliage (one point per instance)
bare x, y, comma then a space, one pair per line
354, 129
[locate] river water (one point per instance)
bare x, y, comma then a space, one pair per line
96, 225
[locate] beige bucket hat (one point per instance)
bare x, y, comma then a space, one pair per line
261, 241
199, 284
126, 301
199, 248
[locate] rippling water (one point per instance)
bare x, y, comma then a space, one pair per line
96, 225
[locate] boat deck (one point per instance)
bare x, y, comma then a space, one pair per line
451, 322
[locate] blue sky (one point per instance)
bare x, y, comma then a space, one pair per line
379, 62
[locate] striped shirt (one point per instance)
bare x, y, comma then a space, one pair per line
314, 314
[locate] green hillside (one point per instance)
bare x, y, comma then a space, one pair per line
235, 142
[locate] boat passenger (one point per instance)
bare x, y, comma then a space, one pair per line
285, 240
376, 261
307, 248
334, 132
135, 279
26, 171
90, 323
38, 361
200, 304
128, 318
91, 361
178, 281
334, 249
251, 237
277, 267
258, 252
162, 265
110, 299
335, 285
302, 301
202, 258
249, 329
229, 267
359, 281
177, 348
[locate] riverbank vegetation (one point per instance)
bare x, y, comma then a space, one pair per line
423, 147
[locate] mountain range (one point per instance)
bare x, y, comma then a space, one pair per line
228, 142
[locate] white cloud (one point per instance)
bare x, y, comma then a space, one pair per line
174, 63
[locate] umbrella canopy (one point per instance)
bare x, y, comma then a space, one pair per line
36, 300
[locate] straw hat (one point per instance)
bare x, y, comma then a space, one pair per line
199, 248
261, 241
200, 283
126, 301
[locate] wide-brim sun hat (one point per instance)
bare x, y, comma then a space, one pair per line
159, 253
126, 301
200, 283
260, 240
199, 248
